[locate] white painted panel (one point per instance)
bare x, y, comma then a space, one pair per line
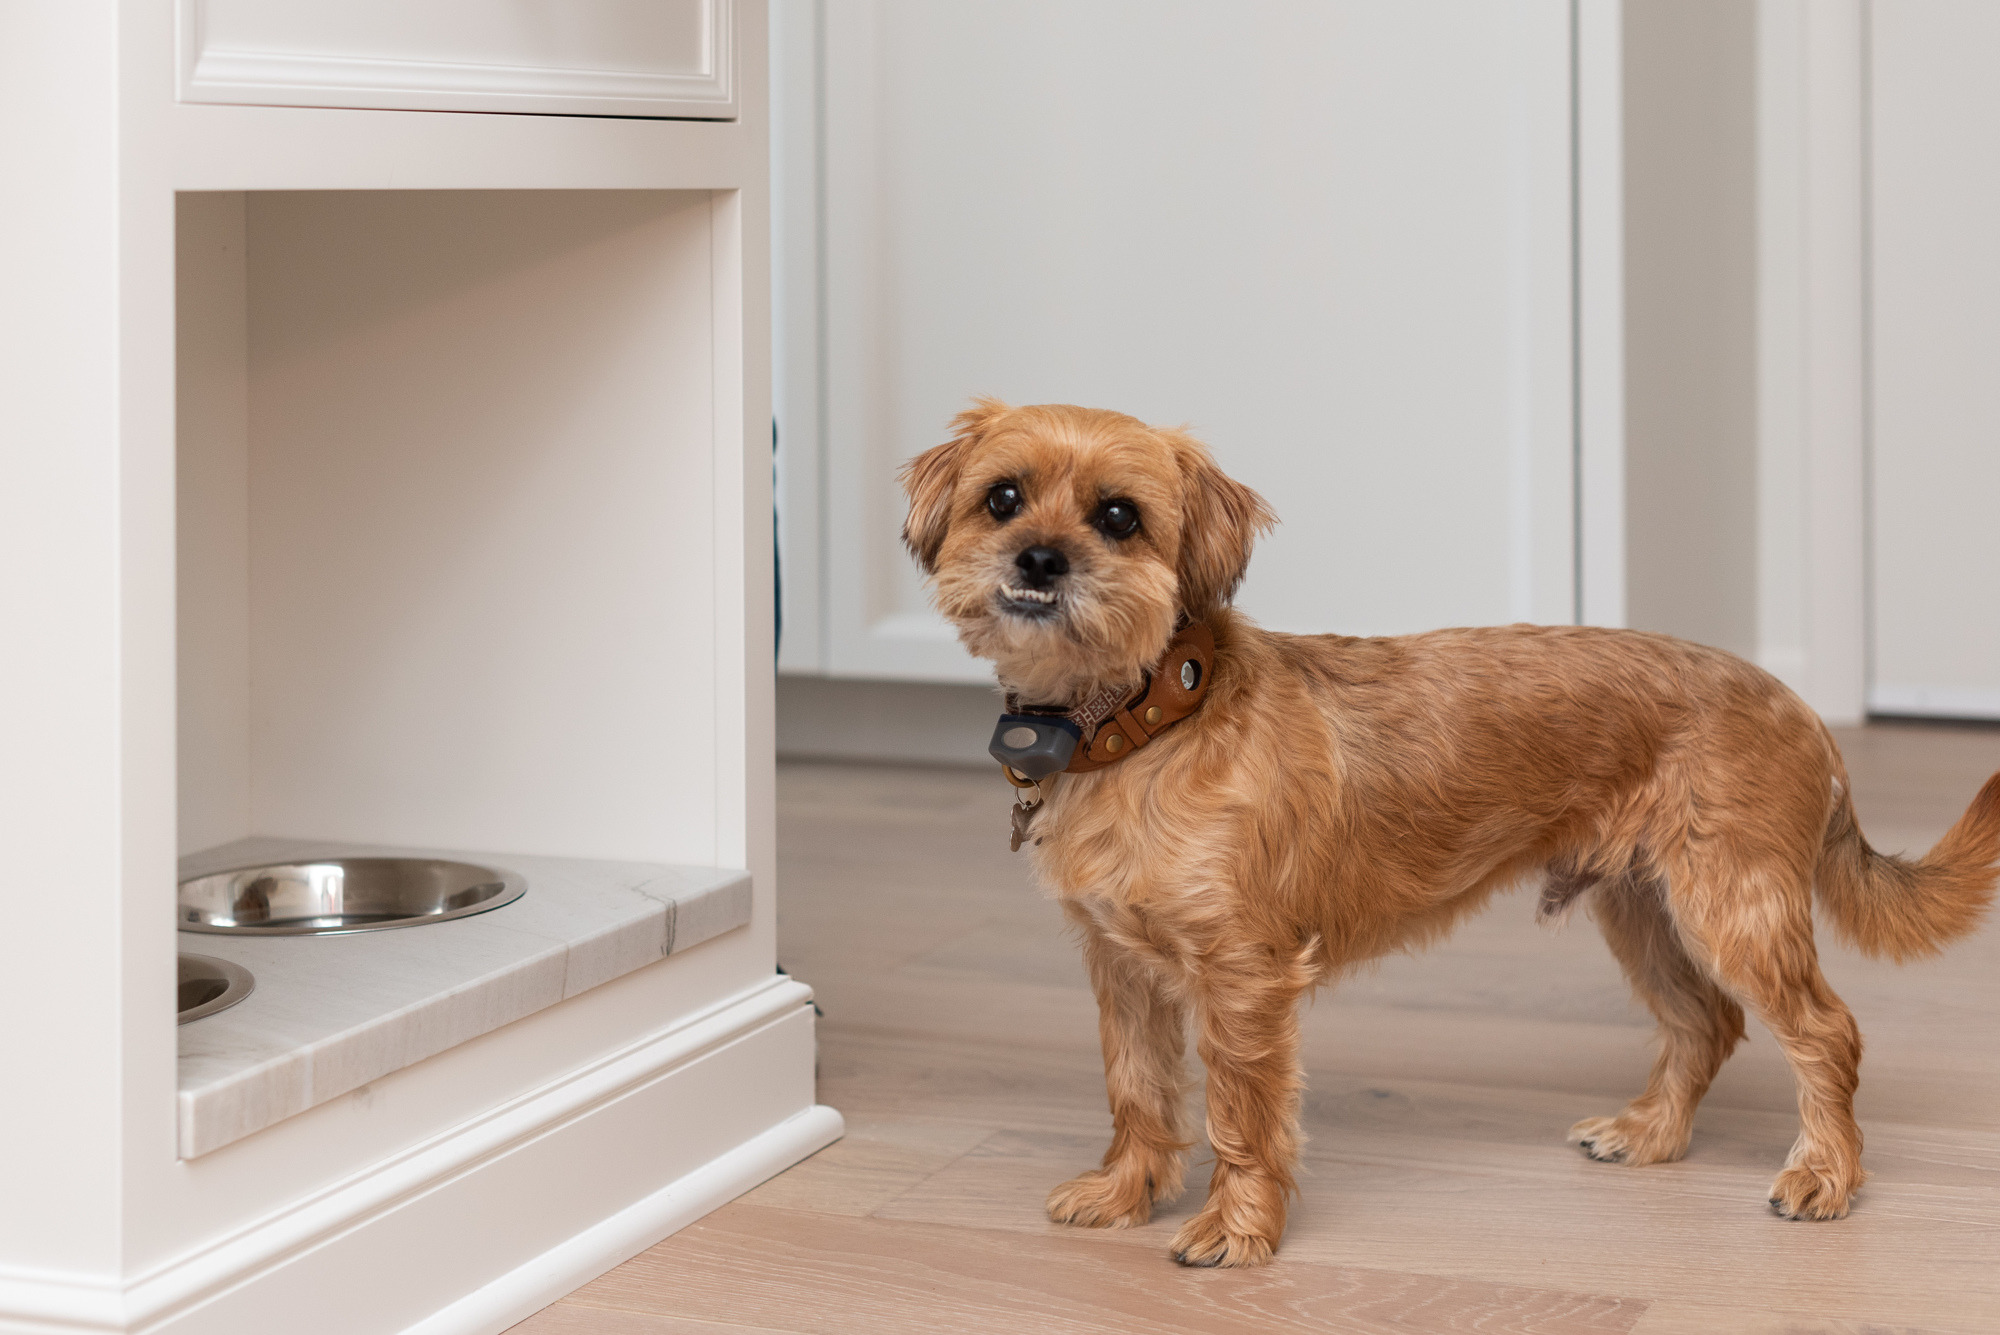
65, 781
1935, 135
1334, 239
579, 57
482, 570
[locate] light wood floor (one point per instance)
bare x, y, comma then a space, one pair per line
960, 1041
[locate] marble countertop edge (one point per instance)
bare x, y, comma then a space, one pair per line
339, 1012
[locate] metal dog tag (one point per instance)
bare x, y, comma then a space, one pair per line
1034, 746
1024, 821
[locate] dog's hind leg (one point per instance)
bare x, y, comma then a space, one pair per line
1750, 924
1144, 1032
1699, 1027
1747, 916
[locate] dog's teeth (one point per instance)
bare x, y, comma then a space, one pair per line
1029, 595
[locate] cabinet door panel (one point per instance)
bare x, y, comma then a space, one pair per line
1935, 314
1334, 239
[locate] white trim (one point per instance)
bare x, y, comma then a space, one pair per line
298, 1242
300, 79
528, 1288
1600, 312
1966, 702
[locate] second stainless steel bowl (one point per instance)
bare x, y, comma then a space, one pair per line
334, 895
208, 985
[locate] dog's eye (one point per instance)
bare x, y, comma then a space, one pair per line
1003, 499
1118, 518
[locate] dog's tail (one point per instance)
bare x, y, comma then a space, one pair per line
1892, 906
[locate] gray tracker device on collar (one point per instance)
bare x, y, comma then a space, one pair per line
1034, 746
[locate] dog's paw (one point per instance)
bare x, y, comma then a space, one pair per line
1205, 1241
1628, 1139
1813, 1191
1103, 1198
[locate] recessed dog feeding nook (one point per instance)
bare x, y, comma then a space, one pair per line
345, 1001
400, 522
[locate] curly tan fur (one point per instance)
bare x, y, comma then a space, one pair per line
1336, 799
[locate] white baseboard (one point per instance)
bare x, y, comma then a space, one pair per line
477, 1229
529, 1288
1934, 701
921, 722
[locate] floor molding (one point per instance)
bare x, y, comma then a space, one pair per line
502, 1214
527, 1289
1897, 699
923, 722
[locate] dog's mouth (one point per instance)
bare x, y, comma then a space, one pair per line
1034, 604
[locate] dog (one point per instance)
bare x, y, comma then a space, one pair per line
1331, 799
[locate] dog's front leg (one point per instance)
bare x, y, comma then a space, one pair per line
1246, 1005
1144, 1031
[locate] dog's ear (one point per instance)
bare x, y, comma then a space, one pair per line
928, 480
1221, 519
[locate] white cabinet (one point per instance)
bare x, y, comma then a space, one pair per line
378, 476
1336, 240
575, 57
1934, 209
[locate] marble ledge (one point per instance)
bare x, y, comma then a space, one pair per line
331, 1013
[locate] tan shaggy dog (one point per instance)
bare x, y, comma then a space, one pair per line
1335, 799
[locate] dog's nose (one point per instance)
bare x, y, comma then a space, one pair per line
1041, 565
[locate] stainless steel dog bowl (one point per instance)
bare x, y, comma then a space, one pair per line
332, 895
209, 985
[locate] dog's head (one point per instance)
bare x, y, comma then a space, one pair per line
1064, 542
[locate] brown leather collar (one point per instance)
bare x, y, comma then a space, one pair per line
1115, 724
